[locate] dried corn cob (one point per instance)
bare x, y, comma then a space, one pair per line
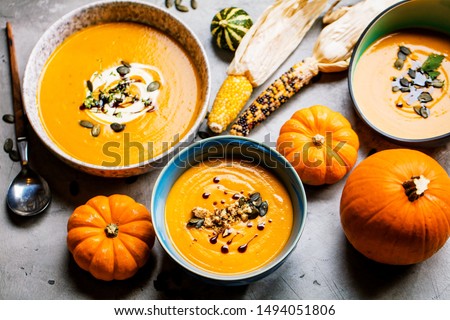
332, 53
274, 96
283, 25
232, 96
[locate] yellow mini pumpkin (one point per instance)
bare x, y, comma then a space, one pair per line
111, 237
320, 144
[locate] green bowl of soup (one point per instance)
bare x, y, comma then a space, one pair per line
399, 73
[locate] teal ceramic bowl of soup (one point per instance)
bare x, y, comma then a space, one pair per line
399, 73
229, 210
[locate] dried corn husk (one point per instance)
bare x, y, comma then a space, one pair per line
334, 46
332, 52
273, 37
262, 50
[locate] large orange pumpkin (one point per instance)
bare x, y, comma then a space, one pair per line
111, 237
320, 144
395, 207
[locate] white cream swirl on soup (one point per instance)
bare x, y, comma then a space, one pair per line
122, 93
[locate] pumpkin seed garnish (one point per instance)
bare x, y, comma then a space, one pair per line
255, 212
95, 131
398, 64
422, 111
86, 124
437, 83
395, 88
405, 89
255, 196
153, 86
405, 50
196, 222
412, 73
117, 127
8, 118
123, 70
401, 55
8, 145
257, 202
425, 97
404, 82
263, 208
89, 85
194, 4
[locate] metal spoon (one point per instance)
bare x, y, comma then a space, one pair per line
28, 193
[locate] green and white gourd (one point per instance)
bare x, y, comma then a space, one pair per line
229, 26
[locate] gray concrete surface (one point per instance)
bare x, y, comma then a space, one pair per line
35, 262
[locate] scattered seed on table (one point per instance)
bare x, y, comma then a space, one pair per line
169, 3
182, 8
8, 118
194, 4
14, 155
8, 146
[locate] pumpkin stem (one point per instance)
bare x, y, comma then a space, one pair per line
112, 230
223, 23
415, 187
318, 140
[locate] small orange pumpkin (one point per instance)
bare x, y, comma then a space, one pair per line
111, 237
395, 207
320, 144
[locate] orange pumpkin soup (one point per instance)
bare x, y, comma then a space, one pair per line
228, 217
118, 94
401, 84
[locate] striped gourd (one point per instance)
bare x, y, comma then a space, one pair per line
229, 26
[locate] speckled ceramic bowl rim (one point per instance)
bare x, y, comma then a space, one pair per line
30, 90
432, 141
241, 278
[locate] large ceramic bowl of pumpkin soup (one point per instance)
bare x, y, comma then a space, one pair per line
228, 209
400, 71
114, 88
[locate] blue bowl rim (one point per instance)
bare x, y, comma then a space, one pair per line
241, 278
352, 65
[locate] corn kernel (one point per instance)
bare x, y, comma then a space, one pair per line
231, 98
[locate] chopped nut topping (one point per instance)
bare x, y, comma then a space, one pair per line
221, 220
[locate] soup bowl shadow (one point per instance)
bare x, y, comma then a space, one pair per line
104, 12
418, 14
228, 147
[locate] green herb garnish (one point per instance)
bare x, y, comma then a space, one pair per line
431, 64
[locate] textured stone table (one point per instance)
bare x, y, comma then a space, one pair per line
35, 262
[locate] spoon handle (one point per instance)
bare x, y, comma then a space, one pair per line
15, 82
19, 118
